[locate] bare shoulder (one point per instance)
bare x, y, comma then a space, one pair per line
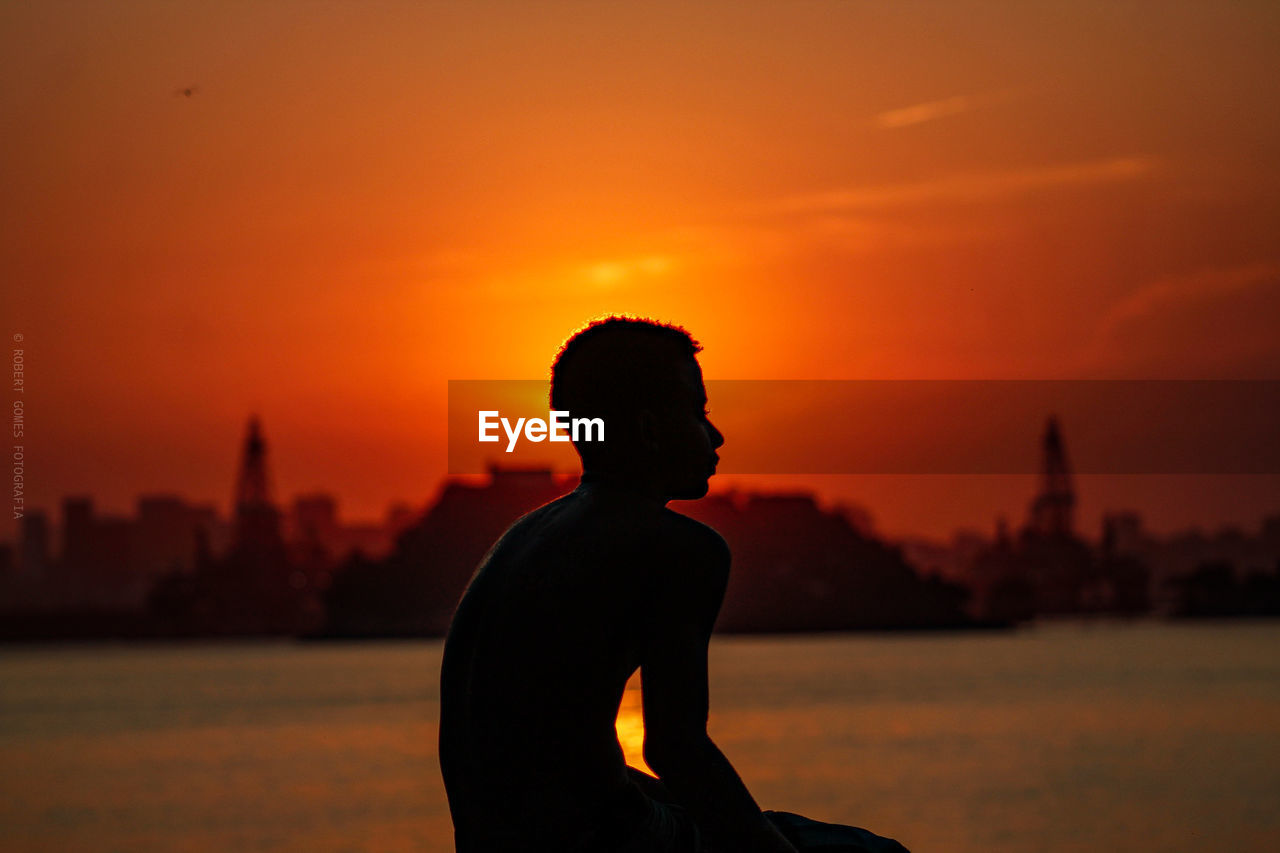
693, 534
694, 544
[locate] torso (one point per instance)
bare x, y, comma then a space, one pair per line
535, 665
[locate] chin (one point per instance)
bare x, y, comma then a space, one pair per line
692, 491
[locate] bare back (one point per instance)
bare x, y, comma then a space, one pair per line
564, 608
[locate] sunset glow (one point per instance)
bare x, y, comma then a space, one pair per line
353, 204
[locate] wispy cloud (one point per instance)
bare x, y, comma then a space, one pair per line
1171, 293
1206, 323
964, 187
920, 113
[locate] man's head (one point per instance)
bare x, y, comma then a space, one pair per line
642, 378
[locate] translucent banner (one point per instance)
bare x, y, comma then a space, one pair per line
913, 426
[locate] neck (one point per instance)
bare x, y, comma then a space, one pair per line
632, 484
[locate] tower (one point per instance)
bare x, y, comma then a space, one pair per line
257, 521
1053, 508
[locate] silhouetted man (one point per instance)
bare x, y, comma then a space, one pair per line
574, 598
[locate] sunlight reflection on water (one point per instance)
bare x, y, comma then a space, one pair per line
1065, 738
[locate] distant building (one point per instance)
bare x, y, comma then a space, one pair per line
317, 534
213, 531
1047, 568
110, 561
91, 559
78, 545
799, 567
400, 517
1124, 534
257, 586
167, 535
257, 519
1001, 581
1056, 560
34, 557
314, 518
1053, 509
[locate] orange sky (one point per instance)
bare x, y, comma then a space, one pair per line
359, 202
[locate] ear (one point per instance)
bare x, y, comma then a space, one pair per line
647, 430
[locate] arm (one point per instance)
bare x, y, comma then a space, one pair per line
675, 694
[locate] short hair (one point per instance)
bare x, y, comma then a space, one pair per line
619, 365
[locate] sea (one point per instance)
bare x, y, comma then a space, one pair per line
1065, 736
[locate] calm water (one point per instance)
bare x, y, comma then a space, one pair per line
1063, 738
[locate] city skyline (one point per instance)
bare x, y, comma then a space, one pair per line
394, 508
159, 563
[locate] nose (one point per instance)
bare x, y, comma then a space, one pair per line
717, 438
